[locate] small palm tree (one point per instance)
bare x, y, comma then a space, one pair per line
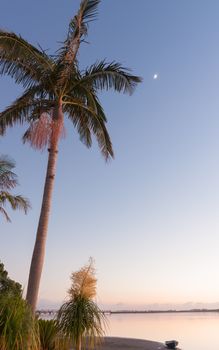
55, 87
8, 180
80, 318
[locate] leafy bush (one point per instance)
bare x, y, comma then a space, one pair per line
51, 337
7, 285
18, 330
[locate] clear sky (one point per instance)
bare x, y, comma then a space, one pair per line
150, 218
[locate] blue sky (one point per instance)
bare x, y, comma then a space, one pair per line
150, 218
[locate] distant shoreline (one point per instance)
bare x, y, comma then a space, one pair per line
111, 312
159, 311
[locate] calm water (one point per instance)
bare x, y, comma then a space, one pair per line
194, 331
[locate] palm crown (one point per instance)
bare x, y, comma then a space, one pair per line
53, 82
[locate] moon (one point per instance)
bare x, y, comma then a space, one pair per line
155, 76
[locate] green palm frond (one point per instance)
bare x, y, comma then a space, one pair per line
25, 107
22, 61
4, 213
88, 121
107, 76
16, 202
67, 55
8, 179
78, 27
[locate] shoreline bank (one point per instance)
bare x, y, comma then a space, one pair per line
117, 343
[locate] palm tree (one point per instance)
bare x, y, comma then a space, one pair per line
8, 180
80, 319
54, 88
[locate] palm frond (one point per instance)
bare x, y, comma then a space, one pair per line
41, 129
4, 213
22, 61
102, 75
88, 122
67, 55
78, 28
88, 10
85, 93
16, 202
24, 107
8, 179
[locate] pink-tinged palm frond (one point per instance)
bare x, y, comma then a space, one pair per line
40, 130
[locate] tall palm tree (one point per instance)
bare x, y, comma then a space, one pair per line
54, 88
8, 180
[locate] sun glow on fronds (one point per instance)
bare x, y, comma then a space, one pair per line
43, 130
84, 282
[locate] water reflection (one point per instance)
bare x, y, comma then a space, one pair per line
194, 331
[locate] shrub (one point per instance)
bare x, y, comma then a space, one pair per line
18, 330
51, 337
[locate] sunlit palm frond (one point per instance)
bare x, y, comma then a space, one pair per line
22, 61
40, 130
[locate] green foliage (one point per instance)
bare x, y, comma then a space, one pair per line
18, 329
8, 180
51, 337
56, 79
80, 318
7, 285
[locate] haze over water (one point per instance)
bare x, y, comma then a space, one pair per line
194, 331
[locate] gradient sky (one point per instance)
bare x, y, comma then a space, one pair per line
150, 218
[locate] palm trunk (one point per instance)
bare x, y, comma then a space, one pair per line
40, 243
